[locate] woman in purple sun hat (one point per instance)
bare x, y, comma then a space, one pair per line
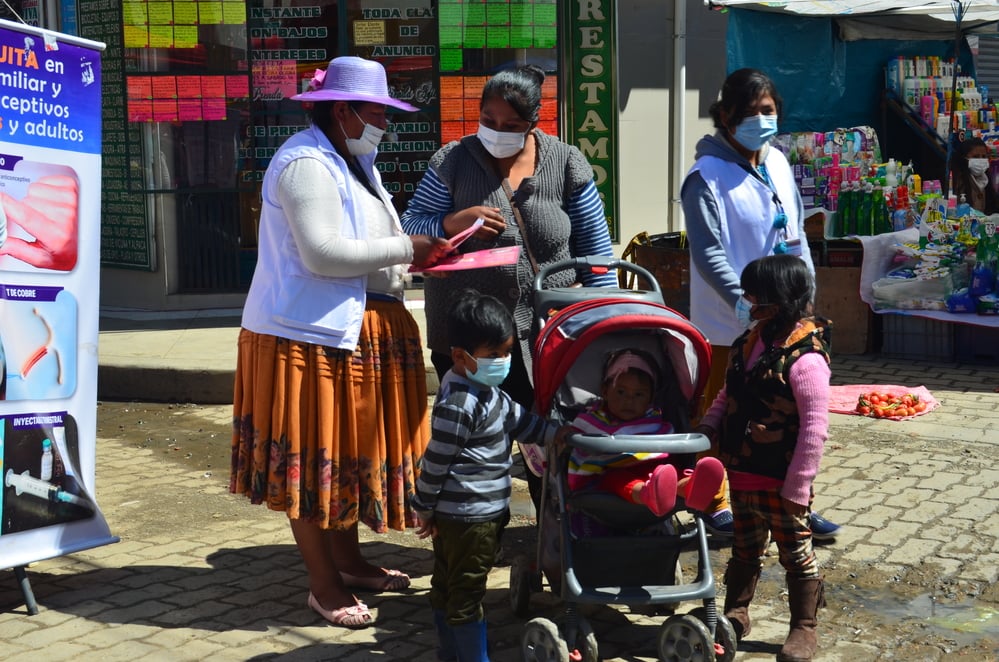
330, 403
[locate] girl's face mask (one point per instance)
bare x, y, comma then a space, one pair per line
744, 312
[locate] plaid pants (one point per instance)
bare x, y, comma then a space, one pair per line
760, 515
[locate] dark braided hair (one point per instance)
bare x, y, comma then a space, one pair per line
519, 87
739, 91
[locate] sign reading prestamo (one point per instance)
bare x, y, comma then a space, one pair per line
592, 94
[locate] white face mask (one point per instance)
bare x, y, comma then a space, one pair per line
368, 142
501, 144
978, 167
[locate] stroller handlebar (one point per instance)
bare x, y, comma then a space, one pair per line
689, 442
598, 263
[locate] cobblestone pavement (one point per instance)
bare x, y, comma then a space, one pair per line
912, 576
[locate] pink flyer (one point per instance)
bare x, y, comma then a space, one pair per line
491, 257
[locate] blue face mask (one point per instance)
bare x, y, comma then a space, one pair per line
754, 132
489, 372
744, 312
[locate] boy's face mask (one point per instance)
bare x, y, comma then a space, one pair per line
489, 372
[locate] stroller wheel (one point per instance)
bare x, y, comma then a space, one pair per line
542, 642
724, 635
684, 638
523, 581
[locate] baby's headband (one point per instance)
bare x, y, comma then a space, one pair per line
626, 361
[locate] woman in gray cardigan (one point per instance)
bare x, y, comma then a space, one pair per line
551, 185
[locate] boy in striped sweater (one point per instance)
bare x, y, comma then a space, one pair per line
463, 492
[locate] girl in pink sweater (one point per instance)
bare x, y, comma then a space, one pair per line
770, 422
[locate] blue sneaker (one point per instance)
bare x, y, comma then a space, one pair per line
719, 523
822, 529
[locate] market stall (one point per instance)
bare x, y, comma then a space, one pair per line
861, 59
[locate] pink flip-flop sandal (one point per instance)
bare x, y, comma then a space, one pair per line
352, 616
392, 580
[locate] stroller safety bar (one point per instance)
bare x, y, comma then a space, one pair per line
657, 443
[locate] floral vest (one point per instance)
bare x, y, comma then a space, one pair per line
760, 428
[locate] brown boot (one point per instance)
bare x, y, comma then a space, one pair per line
740, 587
805, 596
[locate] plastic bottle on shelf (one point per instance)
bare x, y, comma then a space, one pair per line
865, 218
891, 174
849, 198
900, 217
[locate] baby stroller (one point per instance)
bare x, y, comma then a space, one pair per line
634, 561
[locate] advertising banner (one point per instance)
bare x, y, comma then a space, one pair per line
50, 207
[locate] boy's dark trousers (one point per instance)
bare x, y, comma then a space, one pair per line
464, 553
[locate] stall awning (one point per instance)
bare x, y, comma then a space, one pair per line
944, 10
973, 15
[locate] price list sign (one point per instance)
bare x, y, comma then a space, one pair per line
159, 24
403, 39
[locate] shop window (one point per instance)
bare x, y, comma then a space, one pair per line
438, 56
203, 97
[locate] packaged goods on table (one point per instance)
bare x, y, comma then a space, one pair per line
922, 278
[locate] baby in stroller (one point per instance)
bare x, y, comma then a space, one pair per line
627, 391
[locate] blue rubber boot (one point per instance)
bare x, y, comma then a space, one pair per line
446, 649
470, 640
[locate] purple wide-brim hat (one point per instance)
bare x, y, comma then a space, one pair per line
352, 78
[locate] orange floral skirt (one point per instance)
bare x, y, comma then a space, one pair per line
331, 436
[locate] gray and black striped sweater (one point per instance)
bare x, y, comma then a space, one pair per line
466, 468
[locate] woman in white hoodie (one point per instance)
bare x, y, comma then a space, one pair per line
740, 203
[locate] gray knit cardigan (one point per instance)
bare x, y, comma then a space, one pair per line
468, 171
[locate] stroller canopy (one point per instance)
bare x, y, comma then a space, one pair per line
615, 323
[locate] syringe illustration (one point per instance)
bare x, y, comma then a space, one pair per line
25, 483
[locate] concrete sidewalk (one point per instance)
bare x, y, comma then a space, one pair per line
917, 499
